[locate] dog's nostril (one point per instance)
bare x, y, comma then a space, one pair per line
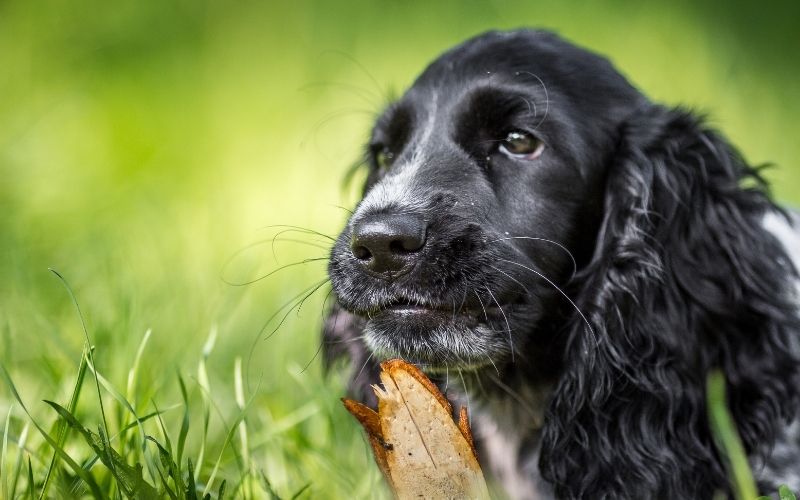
386, 243
361, 252
405, 245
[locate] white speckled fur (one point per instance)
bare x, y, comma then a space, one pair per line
783, 461
503, 425
788, 233
398, 188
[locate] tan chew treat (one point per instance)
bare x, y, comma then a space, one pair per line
421, 450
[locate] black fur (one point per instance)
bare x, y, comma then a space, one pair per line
676, 274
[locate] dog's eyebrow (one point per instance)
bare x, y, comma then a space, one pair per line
393, 125
502, 100
487, 112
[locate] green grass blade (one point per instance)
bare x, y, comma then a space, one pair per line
727, 438
129, 478
168, 463
225, 443
77, 469
268, 489
88, 464
90, 351
205, 386
221, 493
121, 399
3, 472
137, 422
184, 425
23, 436
229, 436
167, 452
31, 493
301, 491
191, 487
63, 429
243, 438
133, 373
131, 396
785, 493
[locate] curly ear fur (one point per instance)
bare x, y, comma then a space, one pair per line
341, 339
678, 285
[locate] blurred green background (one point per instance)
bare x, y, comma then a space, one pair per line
145, 144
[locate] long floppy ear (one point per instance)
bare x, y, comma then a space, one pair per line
684, 279
341, 339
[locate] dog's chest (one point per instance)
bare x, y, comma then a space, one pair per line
507, 429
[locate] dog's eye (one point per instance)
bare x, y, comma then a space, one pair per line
384, 157
521, 145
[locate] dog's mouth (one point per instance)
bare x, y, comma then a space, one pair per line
439, 336
479, 310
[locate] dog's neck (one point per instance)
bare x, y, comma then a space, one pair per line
507, 415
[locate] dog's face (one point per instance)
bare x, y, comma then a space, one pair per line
485, 191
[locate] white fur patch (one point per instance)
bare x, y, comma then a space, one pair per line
502, 448
788, 233
397, 188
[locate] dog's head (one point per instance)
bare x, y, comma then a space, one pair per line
527, 209
485, 187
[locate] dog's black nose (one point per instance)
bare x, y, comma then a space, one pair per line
388, 243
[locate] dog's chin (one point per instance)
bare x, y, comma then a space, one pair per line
437, 340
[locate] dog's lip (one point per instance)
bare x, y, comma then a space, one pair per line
402, 306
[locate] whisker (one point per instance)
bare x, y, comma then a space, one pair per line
351, 212
371, 354
466, 391
494, 365
589, 326
508, 326
344, 341
302, 300
485, 314
239, 252
360, 92
322, 342
546, 98
316, 353
515, 396
253, 345
313, 134
378, 92
515, 280
299, 229
322, 309
279, 233
480, 387
531, 106
281, 268
562, 247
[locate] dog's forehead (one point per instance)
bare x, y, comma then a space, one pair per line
501, 52
529, 62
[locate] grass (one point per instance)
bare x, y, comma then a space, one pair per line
135, 454
144, 150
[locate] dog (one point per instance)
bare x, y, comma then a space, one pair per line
571, 260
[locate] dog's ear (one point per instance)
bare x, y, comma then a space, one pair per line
684, 279
342, 339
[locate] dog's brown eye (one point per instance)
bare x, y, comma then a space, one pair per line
523, 145
384, 158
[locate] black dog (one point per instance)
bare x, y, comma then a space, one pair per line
574, 259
